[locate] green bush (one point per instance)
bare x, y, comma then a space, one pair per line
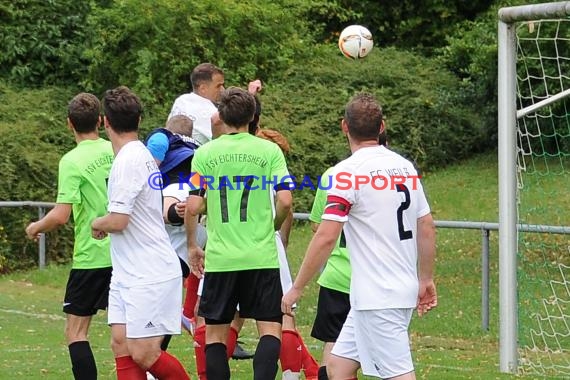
33, 136
42, 40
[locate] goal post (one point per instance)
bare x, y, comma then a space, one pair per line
508, 156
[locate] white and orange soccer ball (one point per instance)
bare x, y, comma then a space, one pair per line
355, 42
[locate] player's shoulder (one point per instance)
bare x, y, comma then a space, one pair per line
260, 145
397, 157
133, 151
183, 97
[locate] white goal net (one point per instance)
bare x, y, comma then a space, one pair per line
543, 183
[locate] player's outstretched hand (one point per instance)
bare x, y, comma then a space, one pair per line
289, 299
427, 296
31, 232
254, 87
196, 255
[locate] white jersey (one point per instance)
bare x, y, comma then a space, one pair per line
141, 253
177, 234
378, 195
200, 110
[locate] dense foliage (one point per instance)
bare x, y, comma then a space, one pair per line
433, 69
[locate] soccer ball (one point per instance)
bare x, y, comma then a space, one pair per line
355, 42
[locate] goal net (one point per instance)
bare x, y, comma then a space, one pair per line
534, 178
543, 182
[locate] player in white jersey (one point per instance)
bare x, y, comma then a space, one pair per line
200, 105
146, 284
378, 198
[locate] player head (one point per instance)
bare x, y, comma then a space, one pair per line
123, 110
236, 108
83, 113
253, 126
180, 124
207, 81
362, 118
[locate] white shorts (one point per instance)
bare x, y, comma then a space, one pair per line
284, 272
378, 340
147, 310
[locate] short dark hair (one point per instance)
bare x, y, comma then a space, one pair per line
203, 73
254, 124
123, 109
237, 107
363, 116
83, 112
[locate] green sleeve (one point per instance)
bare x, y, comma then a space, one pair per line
69, 181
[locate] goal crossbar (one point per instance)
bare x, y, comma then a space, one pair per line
534, 12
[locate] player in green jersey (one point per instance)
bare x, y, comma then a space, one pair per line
82, 189
239, 172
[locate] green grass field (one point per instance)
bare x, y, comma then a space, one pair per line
448, 343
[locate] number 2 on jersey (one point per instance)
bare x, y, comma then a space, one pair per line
246, 183
404, 234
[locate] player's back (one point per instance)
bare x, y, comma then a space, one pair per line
83, 174
387, 199
241, 171
142, 252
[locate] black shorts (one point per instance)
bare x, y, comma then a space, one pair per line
332, 309
258, 293
87, 291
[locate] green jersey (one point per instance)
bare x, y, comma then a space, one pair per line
239, 172
82, 182
336, 274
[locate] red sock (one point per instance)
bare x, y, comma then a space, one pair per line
199, 347
290, 355
127, 369
231, 342
191, 297
310, 365
167, 367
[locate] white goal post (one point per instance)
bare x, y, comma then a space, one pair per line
507, 135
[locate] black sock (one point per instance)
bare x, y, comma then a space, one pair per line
266, 357
165, 342
217, 365
323, 373
82, 361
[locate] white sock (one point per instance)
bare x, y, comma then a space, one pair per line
289, 375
